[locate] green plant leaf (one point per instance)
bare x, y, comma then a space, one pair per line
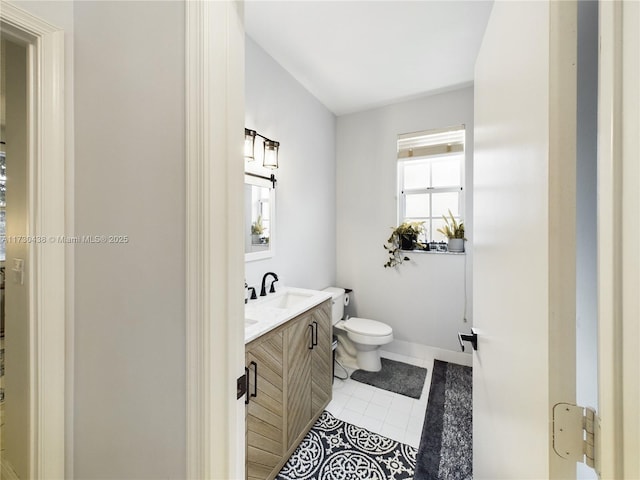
452, 229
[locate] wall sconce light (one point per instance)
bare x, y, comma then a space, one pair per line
270, 149
249, 144
270, 159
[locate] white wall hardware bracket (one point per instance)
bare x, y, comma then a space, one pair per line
575, 434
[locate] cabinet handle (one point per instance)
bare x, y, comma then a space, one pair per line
315, 337
311, 344
246, 379
255, 379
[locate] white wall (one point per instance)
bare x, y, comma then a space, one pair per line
130, 298
278, 107
423, 301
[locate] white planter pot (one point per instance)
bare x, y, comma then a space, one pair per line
456, 244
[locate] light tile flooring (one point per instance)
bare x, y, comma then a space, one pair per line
389, 414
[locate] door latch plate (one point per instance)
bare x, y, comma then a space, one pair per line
241, 386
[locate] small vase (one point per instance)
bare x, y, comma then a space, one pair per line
408, 242
456, 245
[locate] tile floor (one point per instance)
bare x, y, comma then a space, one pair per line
392, 415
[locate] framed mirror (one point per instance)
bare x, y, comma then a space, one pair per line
259, 217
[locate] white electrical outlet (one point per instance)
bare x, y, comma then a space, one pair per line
18, 271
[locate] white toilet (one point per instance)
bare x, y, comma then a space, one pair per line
363, 338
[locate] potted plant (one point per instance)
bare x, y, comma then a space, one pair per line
454, 231
256, 230
403, 237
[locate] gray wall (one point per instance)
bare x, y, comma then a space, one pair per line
586, 212
129, 298
423, 301
278, 107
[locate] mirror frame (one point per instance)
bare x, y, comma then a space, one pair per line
260, 181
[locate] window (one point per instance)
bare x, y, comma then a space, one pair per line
431, 178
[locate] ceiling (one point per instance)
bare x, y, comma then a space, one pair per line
356, 55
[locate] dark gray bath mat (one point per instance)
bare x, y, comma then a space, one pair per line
445, 451
396, 377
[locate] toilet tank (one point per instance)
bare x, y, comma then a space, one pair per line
337, 307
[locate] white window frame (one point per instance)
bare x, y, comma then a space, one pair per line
403, 192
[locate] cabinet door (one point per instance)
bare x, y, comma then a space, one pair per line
321, 359
299, 342
265, 416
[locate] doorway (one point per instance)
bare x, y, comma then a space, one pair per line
14, 250
39, 265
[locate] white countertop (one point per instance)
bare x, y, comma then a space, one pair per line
266, 313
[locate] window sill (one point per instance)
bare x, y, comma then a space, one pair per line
434, 252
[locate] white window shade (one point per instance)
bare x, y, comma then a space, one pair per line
431, 142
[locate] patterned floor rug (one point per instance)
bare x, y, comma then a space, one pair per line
336, 450
445, 451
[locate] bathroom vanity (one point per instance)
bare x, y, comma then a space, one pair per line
289, 370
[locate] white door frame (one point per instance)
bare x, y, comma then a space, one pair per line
215, 250
630, 137
46, 198
618, 233
214, 256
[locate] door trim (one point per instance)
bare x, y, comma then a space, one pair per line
214, 250
609, 224
630, 234
618, 231
46, 220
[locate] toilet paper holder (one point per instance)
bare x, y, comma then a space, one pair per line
473, 338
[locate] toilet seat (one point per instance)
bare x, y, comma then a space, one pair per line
364, 326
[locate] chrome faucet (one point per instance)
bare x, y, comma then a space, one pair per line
263, 292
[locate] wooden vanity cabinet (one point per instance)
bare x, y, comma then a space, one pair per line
293, 368
265, 434
322, 362
309, 372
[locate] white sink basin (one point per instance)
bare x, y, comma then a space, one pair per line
286, 299
266, 313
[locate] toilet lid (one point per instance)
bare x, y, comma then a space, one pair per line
364, 326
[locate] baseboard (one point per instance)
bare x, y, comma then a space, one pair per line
8, 473
417, 350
